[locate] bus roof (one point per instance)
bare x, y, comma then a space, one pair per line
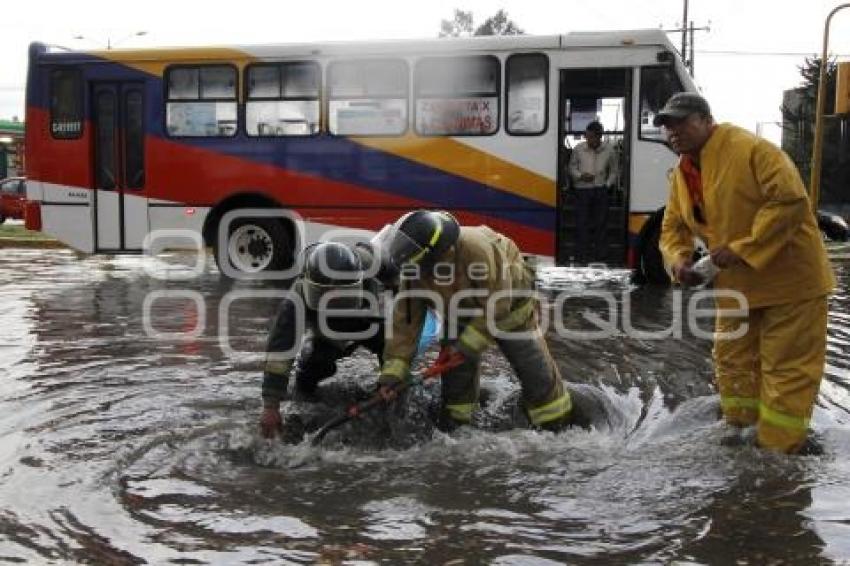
572, 40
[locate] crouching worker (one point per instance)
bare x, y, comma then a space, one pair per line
335, 272
436, 257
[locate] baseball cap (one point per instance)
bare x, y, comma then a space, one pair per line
680, 105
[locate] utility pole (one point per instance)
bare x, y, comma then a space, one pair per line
685, 31
691, 58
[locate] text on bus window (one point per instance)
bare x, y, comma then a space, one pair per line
526, 76
66, 104
457, 95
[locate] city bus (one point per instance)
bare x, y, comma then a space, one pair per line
126, 142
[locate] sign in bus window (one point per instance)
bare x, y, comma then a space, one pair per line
457, 95
66, 104
526, 106
457, 116
203, 119
380, 117
368, 97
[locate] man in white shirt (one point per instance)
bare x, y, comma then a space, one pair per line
593, 170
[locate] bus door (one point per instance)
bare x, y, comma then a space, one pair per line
587, 95
121, 213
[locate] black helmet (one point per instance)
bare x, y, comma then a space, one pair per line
418, 237
332, 266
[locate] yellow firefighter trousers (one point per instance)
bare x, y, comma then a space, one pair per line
770, 376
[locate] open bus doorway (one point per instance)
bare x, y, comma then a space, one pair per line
588, 95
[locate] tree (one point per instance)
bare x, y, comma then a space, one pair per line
798, 124
498, 24
461, 25
458, 26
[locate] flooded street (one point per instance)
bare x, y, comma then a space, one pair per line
128, 434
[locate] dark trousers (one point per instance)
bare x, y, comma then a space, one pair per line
591, 210
318, 356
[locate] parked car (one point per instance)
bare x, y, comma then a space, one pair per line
13, 198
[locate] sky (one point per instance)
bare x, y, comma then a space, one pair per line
742, 87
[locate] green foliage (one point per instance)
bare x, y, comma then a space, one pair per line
798, 131
18, 232
810, 71
498, 24
462, 25
459, 25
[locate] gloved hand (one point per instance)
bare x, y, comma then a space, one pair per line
388, 391
684, 273
270, 421
450, 357
725, 258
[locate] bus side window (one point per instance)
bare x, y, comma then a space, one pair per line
66, 104
457, 96
527, 76
201, 101
282, 99
368, 97
657, 84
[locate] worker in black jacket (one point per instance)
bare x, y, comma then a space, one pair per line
332, 280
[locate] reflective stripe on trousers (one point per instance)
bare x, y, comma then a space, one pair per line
560, 408
764, 412
770, 375
461, 412
397, 368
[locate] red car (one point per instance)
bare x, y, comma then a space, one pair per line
13, 198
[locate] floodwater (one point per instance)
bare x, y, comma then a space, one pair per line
128, 434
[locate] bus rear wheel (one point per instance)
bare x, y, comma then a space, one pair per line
254, 245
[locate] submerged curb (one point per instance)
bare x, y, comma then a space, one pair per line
30, 243
839, 251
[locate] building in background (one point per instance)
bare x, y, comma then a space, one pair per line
11, 148
798, 114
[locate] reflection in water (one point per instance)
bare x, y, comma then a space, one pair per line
120, 447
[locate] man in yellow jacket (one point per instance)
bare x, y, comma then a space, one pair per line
479, 281
744, 198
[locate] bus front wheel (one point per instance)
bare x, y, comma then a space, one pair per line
254, 245
650, 265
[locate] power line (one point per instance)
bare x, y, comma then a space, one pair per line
766, 53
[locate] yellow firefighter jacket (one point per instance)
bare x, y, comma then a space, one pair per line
483, 268
754, 203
